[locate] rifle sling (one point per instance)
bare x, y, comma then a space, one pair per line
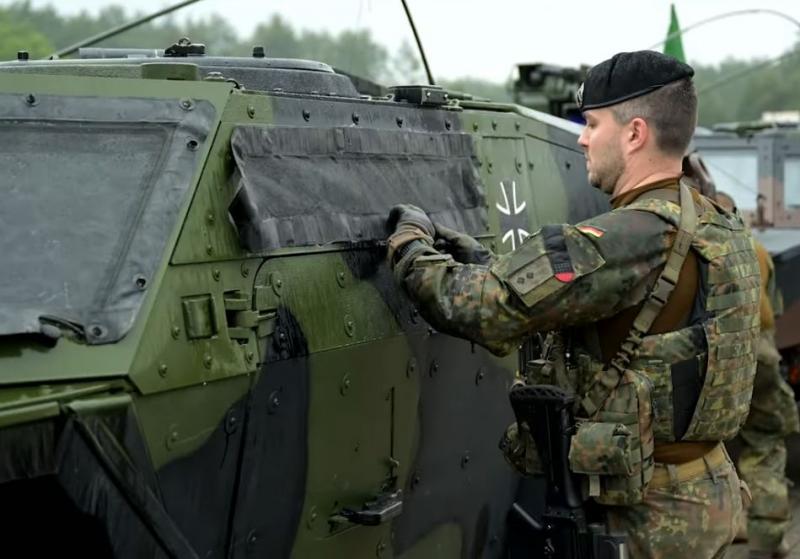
609, 377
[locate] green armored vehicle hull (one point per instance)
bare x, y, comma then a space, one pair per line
202, 351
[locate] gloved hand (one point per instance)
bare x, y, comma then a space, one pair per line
461, 247
408, 223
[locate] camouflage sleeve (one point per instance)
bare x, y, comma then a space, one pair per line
563, 275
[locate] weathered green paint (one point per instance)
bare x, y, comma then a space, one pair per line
351, 460
177, 422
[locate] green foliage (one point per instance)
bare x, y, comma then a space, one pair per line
15, 37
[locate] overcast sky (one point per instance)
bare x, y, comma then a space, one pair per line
485, 38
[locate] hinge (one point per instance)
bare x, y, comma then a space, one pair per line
243, 320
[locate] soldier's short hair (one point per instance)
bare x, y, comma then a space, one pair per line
671, 111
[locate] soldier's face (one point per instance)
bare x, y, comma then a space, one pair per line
601, 145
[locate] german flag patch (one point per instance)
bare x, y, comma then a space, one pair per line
591, 230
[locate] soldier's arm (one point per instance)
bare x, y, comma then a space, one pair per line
561, 276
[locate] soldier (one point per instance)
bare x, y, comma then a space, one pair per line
773, 416
654, 306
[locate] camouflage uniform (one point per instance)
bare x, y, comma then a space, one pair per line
773, 416
574, 277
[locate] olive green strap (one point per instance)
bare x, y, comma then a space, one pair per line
607, 380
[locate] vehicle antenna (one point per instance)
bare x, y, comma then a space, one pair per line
120, 29
744, 71
419, 43
725, 15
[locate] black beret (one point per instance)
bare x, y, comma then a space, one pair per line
627, 75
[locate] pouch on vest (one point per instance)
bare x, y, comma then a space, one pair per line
614, 448
601, 448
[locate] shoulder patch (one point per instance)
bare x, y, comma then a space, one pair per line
591, 230
553, 257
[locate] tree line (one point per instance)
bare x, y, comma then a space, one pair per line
42, 31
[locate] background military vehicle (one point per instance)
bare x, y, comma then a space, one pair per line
202, 351
549, 88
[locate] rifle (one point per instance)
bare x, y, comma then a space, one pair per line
564, 530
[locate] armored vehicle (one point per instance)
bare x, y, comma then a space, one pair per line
202, 351
549, 88
758, 164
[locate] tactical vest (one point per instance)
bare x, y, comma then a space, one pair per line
628, 405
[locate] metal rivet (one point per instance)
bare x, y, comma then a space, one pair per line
411, 368
207, 361
172, 437
380, 549
312, 517
176, 332
231, 423
340, 278
30, 99
306, 115
216, 274
530, 165
480, 376
415, 481
245, 270
489, 166
344, 386
252, 538
192, 144
251, 111
447, 124
567, 164
209, 250
276, 282
475, 126
273, 403
517, 126
356, 118
414, 316
186, 104
494, 125
399, 120
349, 325
141, 282
493, 245
97, 331
434, 368
210, 219
162, 370
465, 460
249, 356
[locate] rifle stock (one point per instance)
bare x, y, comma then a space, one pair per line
564, 530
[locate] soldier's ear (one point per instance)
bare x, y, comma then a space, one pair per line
636, 135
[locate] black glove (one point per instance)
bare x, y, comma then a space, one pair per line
407, 223
461, 247
403, 216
